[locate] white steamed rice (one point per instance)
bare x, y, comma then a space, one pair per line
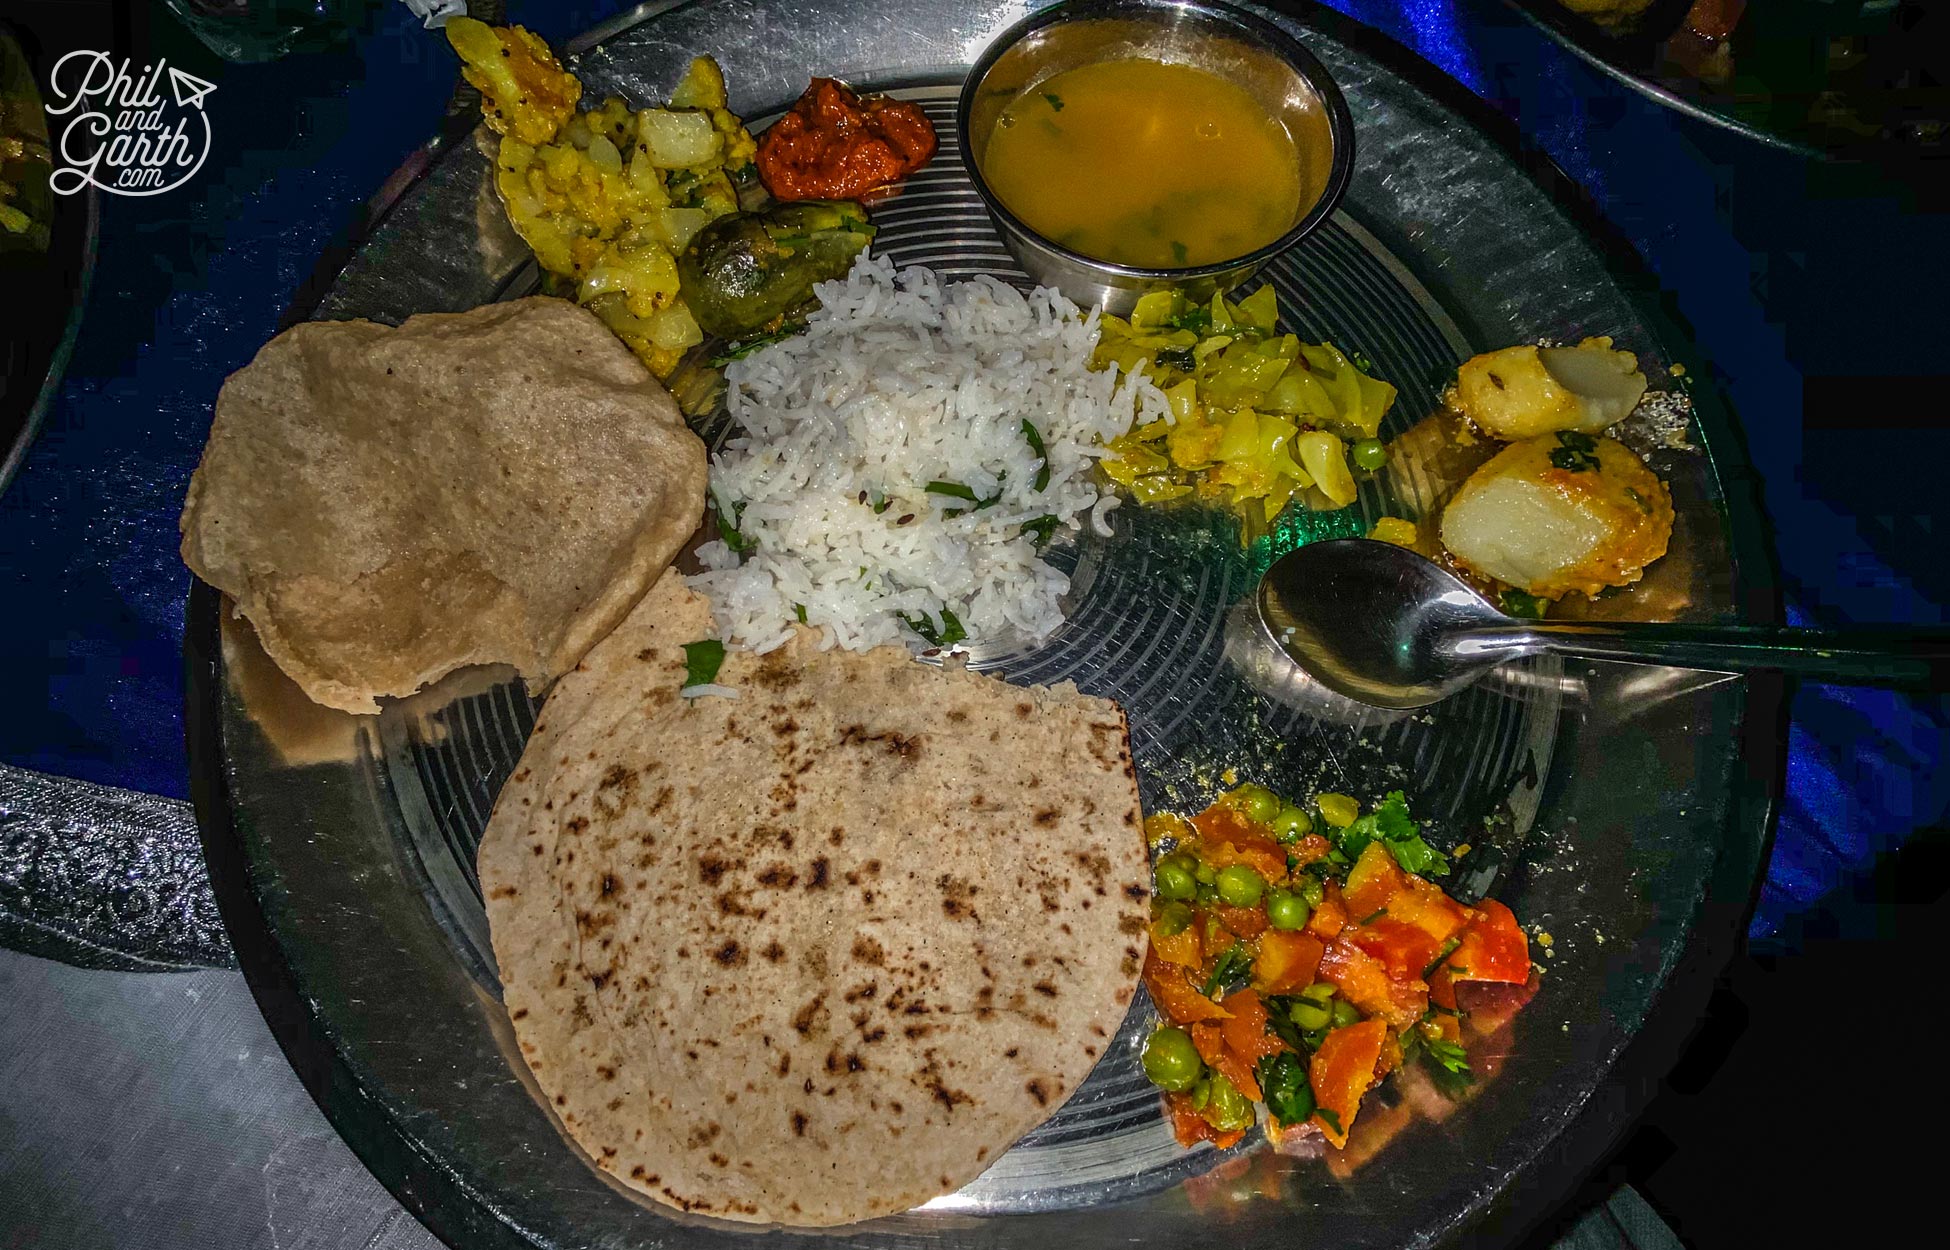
900, 380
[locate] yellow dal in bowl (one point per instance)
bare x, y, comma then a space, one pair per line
1146, 164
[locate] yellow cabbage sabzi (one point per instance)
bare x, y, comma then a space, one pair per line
1258, 418
607, 198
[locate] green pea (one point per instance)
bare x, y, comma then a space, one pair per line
1206, 895
1205, 873
1171, 880
1319, 991
1227, 1109
1172, 919
1255, 803
1345, 1014
1286, 910
1171, 1061
1309, 888
1239, 885
1290, 824
1369, 454
1309, 1015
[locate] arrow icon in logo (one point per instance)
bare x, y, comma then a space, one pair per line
189, 89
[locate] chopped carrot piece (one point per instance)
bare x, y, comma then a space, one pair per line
1287, 961
1245, 1033
1341, 1072
1180, 948
1176, 997
1424, 905
1209, 1040
1372, 881
1330, 917
1240, 1074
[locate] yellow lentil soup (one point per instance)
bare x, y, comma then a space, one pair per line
1142, 163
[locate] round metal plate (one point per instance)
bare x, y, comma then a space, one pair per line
1605, 798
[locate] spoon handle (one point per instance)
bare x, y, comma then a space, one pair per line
1873, 656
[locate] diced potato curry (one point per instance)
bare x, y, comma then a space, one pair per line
608, 198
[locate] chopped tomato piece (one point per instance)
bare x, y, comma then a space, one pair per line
1176, 997
1364, 981
1209, 1040
1402, 948
1341, 1072
1493, 947
1247, 922
1330, 917
1245, 1032
1488, 1006
1180, 948
1371, 882
1286, 962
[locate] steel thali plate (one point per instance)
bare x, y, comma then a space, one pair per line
1621, 810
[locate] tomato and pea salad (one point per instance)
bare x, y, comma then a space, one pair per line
1299, 955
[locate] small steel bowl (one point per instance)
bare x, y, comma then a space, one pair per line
1236, 45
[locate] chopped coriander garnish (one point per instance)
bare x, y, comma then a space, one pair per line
745, 347
1197, 319
1283, 1080
1390, 822
1035, 438
958, 491
799, 610
1055, 101
1332, 1118
1177, 357
728, 530
1575, 452
1522, 604
1446, 1063
702, 660
950, 633
1040, 528
1230, 972
1178, 252
1441, 957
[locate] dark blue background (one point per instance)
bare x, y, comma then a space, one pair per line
1816, 291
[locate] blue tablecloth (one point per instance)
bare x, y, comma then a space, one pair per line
1815, 290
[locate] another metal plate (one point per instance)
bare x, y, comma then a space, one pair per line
342, 848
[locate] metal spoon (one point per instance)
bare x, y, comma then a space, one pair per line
1380, 624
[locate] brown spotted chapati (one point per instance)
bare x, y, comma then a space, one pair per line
823, 951
387, 505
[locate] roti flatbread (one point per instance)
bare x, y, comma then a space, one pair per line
823, 951
387, 505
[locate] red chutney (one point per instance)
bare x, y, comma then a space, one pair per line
838, 145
